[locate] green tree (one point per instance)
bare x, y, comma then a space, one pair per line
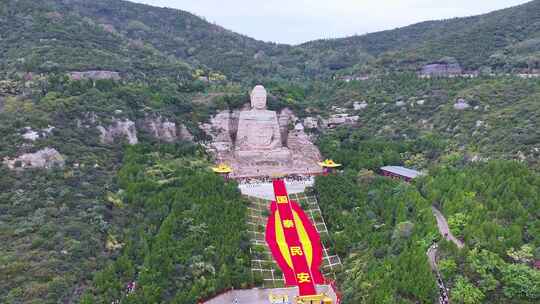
520, 281
466, 293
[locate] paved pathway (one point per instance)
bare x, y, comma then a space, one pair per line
432, 257
432, 253
260, 296
443, 227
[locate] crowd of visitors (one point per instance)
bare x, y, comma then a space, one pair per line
298, 178
130, 288
254, 180
443, 292
268, 179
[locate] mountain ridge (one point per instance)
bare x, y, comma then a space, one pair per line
174, 36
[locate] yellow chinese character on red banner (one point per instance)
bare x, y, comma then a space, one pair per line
296, 250
288, 223
303, 277
282, 199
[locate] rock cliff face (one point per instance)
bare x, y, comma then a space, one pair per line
33, 135
461, 104
44, 159
94, 75
285, 117
300, 142
9, 88
311, 122
359, 105
160, 128
336, 120
441, 69
30, 134
119, 128
184, 133
233, 123
219, 128
165, 130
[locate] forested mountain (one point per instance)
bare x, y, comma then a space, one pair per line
127, 199
43, 36
128, 37
486, 40
124, 36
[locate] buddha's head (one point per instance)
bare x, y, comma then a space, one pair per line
258, 98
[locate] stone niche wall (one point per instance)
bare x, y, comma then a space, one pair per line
223, 128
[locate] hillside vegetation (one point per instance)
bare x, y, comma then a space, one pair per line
490, 40
154, 214
135, 38
175, 248
383, 228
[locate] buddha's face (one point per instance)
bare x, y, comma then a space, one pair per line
258, 98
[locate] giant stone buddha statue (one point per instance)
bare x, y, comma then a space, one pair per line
259, 139
259, 142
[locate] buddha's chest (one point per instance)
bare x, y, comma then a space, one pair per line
258, 120
257, 128
256, 131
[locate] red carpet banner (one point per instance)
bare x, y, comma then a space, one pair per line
294, 242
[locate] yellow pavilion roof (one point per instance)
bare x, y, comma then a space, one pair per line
222, 168
328, 163
278, 298
320, 298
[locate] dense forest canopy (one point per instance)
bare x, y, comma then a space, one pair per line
384, 227
175, 246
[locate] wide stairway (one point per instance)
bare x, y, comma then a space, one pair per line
295, 245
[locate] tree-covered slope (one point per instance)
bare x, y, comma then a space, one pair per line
64, 225
140, 39
501, 119
472, 40
185, 237
383, 228
120, 34
183, 35
39, 36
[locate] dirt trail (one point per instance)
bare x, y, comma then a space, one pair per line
442, 224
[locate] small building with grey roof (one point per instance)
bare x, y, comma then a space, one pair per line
400, 172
